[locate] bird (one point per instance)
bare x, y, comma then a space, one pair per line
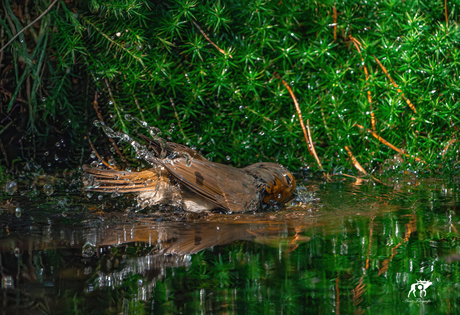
180, 176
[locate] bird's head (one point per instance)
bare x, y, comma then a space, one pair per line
276, 182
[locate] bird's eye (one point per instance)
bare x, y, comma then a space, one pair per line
288, 179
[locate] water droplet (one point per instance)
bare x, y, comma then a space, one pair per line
98, 123
7, 282
18, 212
188, 160
228, 157
99, 197
88, 250
11, 187
48, 189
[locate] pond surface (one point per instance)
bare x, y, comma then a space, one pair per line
344, 247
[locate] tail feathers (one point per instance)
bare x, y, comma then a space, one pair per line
119, 181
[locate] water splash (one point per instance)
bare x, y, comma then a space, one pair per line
154, 132
188, 159
11, 187
141, 150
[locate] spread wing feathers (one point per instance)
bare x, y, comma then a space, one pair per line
120, 181
227, 187
172, 147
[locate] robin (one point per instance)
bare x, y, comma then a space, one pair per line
182, 177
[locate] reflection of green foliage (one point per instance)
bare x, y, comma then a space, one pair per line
399, 244
141, 54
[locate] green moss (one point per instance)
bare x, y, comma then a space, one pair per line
229, 102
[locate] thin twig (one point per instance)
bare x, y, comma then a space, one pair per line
6, 127
369, 98
299, 112
30, 24
177, 117
311, 148
334, 10
99, 115
355, 161
351, 176
137, 103
453, 125
100, 157
114, 103
337, 296
209, 40
411, 106
445, 12
448, 145
388, 144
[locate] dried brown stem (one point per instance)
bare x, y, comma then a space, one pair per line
114, 103
355, 161
311, 148
388, 144
100, 157
448, 145
210, 41
99, 115
445, 12
337, 294
334, 10
369, 97
409, 103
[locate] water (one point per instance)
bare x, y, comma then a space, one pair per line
345, 247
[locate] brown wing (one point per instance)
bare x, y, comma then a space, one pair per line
227, 187
120, 181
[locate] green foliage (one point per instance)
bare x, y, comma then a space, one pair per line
228, 104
